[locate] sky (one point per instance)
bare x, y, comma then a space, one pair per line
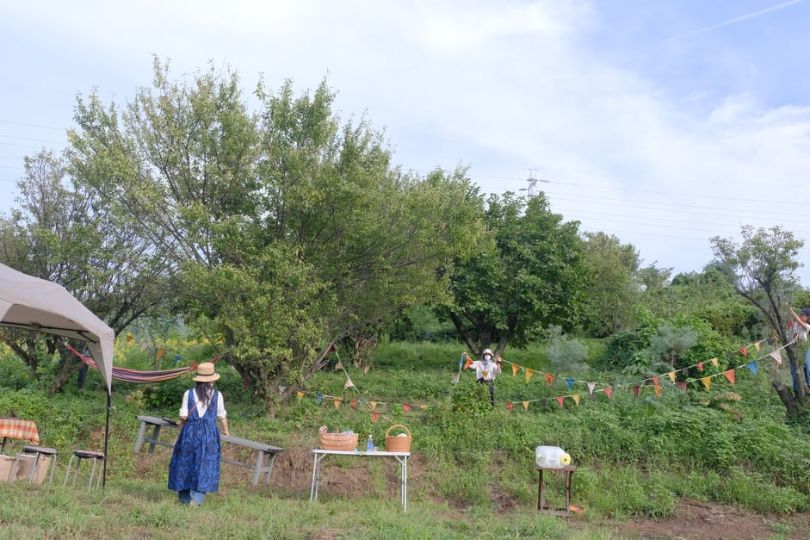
665, 123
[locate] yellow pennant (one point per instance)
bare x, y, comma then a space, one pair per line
373, 404
130, 338
422, 407
300, 394
671, 376
515, 369
575, 397
715, 362
336, 402
707, 382
758, 345
529, 374
525, 405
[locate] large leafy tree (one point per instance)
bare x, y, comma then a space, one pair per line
63, 233
762, 268
526, 275
292, 229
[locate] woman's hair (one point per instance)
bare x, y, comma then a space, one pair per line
205, 391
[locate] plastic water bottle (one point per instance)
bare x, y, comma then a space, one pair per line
370, 444
551, 457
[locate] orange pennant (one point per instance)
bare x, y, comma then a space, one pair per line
299, 394
375, 416
730, 375
658, 390
525, 405
529, 374
707, 382
515, 369
336, 402
353, 404
468, 362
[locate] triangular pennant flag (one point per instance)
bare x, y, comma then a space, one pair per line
671, 376
681, 385
549, 379
423, 407
375, 416
353, 404
455, 378
349, 383
130, 338
729, 373
529, 374
515, 369
569, 382
318, 399
467, 362
406, 407
658, 390
776, 355
339, 365
299, 394
636, 390
758, 345
332, 348
744, 351
561, 400
707, 382
509, 406
575, 397
715, 362
525, 405
754, 367
373, 404
655, 380
608, 391
336, 402
591, 386
700, 366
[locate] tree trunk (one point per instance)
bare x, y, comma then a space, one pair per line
67, 366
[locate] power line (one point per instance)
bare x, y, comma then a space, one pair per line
26, 124
26, 145
28, 139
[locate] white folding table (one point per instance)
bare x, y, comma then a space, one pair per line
400, 457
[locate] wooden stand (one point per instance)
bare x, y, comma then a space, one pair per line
568, 472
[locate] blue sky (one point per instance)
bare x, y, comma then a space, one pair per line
663, 122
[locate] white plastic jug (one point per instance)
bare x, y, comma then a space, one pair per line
551, 457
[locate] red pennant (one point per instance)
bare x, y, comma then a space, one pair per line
636, 390
509, 406
700, 366
681, 385
608, 391
549, 379
375, 416
744, 351
468, 362
353, 404
406, 407
655, 380
331, 348
561, 400
729, 373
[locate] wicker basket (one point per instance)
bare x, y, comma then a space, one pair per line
396, 443
338, 441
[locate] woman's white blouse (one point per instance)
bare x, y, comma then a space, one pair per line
201, 409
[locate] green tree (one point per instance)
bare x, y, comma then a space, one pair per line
62, 232
611, 285
526, 275
762, 267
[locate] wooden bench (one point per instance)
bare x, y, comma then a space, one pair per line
264, 460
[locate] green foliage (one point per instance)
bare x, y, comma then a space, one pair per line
566, 354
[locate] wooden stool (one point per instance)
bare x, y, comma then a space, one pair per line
41, 452
568, 472
80, 455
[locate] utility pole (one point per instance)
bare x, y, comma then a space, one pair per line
531, 181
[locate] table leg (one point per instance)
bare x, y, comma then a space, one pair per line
313, 490
139, 439
540, 495
405, 484
3, 446
269, 471
259, 464
155, 435
568, 483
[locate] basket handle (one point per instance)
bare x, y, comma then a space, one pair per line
399, 426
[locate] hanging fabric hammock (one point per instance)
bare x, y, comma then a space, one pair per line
136, 376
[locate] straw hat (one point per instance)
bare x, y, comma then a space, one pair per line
206, 373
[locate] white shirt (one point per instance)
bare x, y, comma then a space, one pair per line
798, 329
201, 409
486, 369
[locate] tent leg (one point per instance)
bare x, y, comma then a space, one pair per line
106, 441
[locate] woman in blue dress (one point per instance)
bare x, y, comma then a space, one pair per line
194, 469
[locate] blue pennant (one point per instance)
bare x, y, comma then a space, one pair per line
753, 367
570, 382
318, 399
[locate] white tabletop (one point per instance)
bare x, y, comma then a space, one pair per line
381, 453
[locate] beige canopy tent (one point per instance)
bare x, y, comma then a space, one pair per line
35, 304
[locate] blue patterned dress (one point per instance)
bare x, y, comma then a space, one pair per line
195, 461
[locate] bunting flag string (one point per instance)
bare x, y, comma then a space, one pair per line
591, 386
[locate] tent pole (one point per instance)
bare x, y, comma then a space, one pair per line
106, 441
